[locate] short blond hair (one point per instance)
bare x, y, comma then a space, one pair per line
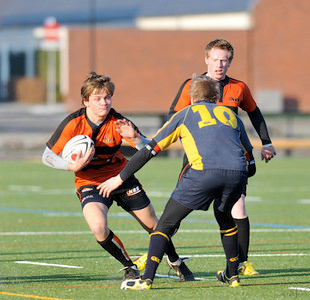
97, 83
221, 44
203, 88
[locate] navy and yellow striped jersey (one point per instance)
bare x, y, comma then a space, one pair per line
212, 135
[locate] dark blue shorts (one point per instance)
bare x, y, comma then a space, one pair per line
130, 195
197, 189
186, 167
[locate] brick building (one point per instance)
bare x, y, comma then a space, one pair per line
148, 66
148, 54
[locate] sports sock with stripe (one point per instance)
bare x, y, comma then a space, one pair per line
157, 247
243, 238
115, 247
230, 244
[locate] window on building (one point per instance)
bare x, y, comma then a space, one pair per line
17, 64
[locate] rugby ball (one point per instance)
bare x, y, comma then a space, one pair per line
78, 143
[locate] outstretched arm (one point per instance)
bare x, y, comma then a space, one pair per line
142, 156
127, 131
139, 159
258, 122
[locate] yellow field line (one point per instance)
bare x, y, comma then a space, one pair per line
32, 296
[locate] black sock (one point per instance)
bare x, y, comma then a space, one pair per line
230, 244
243, 226
157, 247
115, 247
171, 253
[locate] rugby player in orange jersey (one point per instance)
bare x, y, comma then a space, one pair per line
106, 127
233, 94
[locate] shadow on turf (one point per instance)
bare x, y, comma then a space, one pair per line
20, 280
46, 278
101, 254
281, 273
70, 255
263, 274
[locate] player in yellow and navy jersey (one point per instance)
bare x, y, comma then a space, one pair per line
220, 158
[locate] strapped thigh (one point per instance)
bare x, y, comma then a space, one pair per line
172, 216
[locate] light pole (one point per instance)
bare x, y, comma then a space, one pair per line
92, 34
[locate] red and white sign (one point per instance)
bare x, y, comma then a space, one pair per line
51, 29
51, 34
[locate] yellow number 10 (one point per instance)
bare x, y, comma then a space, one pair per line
222, 114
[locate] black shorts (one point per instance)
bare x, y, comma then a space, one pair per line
243, 189
130, 195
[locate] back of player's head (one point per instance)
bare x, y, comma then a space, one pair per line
203, 88
221, 44
96, 83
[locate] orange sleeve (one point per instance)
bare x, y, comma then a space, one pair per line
61, 136
182, 98
130, 142
248, 103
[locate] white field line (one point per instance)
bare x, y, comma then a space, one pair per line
189, 256
252, 255
142, 231
304, 201
75, 267
39, 189
48, 233
177, 277
299, 289
45, 264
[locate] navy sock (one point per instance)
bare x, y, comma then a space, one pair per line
157, 248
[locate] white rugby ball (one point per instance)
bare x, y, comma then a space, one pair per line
78, 143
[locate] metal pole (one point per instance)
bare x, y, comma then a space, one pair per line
92, 42
51, 77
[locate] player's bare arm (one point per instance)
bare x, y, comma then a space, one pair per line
82, 162
106, 187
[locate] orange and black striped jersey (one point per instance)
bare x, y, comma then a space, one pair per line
233, 94
108, 160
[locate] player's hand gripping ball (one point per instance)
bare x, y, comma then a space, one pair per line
75, 145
